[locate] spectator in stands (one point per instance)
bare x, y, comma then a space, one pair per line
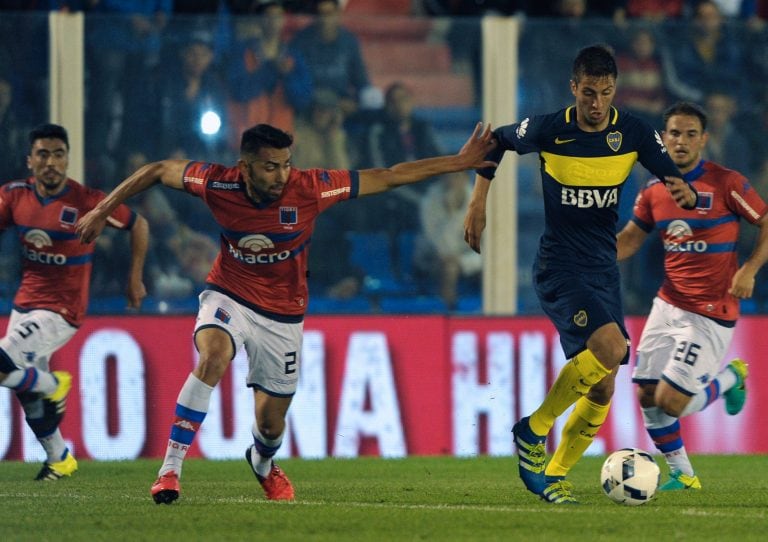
334, 56
45, 5
269, 79
642, 89
708, 56
13, 141
321, 140
179, 257
123, 46
440, 251
655, 11
726, 144
396, 134
542, 56
190, 88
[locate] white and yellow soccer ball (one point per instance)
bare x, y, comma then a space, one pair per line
630, 476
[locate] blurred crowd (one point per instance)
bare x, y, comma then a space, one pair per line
183, 78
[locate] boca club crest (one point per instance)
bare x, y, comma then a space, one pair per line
614, 140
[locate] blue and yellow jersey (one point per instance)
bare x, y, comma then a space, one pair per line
582, 175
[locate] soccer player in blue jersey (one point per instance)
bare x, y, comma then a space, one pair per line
587, 151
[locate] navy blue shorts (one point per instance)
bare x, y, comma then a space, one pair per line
578, 303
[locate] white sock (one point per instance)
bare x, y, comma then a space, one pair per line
54, 446
191, 408
265, 450
664, 430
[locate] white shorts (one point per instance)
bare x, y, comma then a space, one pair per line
683, 348
273, 348
32, 337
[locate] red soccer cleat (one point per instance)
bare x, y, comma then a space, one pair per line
166, 488
277, 486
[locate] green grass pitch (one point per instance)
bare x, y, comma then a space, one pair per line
371, 499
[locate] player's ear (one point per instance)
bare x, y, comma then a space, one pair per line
573, 87
242, 165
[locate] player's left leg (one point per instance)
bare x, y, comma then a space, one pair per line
274, 357
588, 415
268, 432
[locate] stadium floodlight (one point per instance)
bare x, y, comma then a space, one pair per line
210, 123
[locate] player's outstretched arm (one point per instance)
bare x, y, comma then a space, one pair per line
136, 291
474, 220
629, 240
743, 281
168, 172
471, 156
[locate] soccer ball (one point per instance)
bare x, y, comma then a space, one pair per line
630, 476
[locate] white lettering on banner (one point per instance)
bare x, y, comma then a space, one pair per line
533, 371
368, 368
470, 398
214, 444
307, 424
131, 400
5, 421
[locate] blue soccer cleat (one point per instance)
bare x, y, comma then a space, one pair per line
531, 456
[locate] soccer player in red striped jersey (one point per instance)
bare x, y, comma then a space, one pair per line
691, 324
256, 293
53, 295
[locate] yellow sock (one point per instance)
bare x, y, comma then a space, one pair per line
575, 378
578, 433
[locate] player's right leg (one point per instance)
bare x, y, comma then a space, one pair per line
217, 338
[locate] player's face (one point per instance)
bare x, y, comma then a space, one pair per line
48, 160
266, 173
594, 96
684, 139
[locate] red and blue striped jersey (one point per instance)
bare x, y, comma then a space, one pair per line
262, 261
56, 266
700, 244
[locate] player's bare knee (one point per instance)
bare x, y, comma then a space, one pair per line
671, 404
271, 427
646, 395
211, 368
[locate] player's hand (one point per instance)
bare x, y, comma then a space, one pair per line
135, 293
681, 192
90, 226
479, 144
474, 225
742, 284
